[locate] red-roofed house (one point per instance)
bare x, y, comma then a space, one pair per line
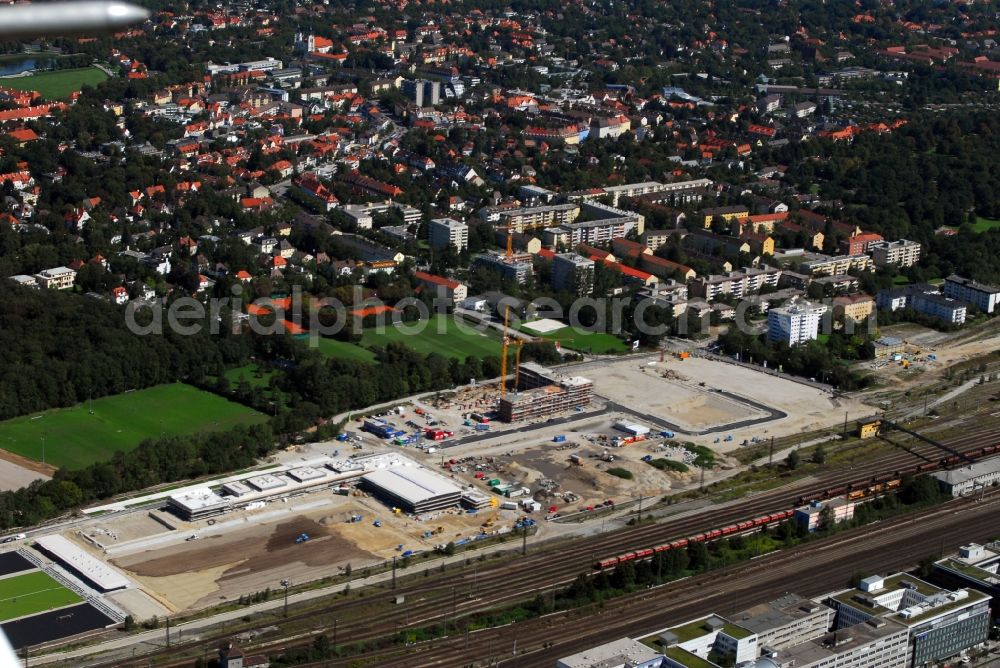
451, 289
858, 243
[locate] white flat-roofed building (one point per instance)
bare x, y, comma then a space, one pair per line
306, 474
412, 488
902, 253
197, 504
57, 278
95, 571
984, 297
444, 232
25, 281
624, 653
795, 323
969, 479
266, 482
237, 489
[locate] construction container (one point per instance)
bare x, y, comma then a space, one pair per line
559, 439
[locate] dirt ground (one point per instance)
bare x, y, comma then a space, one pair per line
948, 347
14, 476
243, 559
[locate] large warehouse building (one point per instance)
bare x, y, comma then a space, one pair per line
414, 489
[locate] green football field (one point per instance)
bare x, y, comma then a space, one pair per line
584, 341
341, 349
449, 341
57, 84
90, 432
31, 593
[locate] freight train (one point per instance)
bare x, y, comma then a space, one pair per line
890, 481
715, 534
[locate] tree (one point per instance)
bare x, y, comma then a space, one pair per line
818, 455
827, 519
793, 460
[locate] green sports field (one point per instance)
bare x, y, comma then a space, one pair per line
586, 342
450, 341
31, 593
84, 434
57, 84
342, 349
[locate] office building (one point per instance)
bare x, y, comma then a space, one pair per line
940, 623
901, 253
786, 621
810, 517
573, 273
983, 297
876, 643
712, 635
974, 566
795, 323
615, 654
412, 488
445, 232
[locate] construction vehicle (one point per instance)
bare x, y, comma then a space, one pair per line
354, 518
303, 537
377, 523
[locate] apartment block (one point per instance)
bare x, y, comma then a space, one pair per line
739, 284
445, 287
834, 265
444, 232
573, 273
726, 213
901, 253
537, 217
855, 308
517, 268
794, 323
983, 297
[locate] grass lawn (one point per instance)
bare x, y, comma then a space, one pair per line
57, 84
32, 593
586, 342
899, 279
75, 437
450, 342
251, 373
985, 224
343, 350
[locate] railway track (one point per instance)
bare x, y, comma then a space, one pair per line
809, 570
548, 565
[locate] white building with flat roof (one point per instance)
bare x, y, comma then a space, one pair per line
982, 296
623, 653
197, 504
413, 488
57, 278
95, 571
444, 232
795, 323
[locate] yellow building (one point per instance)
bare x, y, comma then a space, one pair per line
853, 307
868, 428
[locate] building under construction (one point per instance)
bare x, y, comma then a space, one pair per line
540, 392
